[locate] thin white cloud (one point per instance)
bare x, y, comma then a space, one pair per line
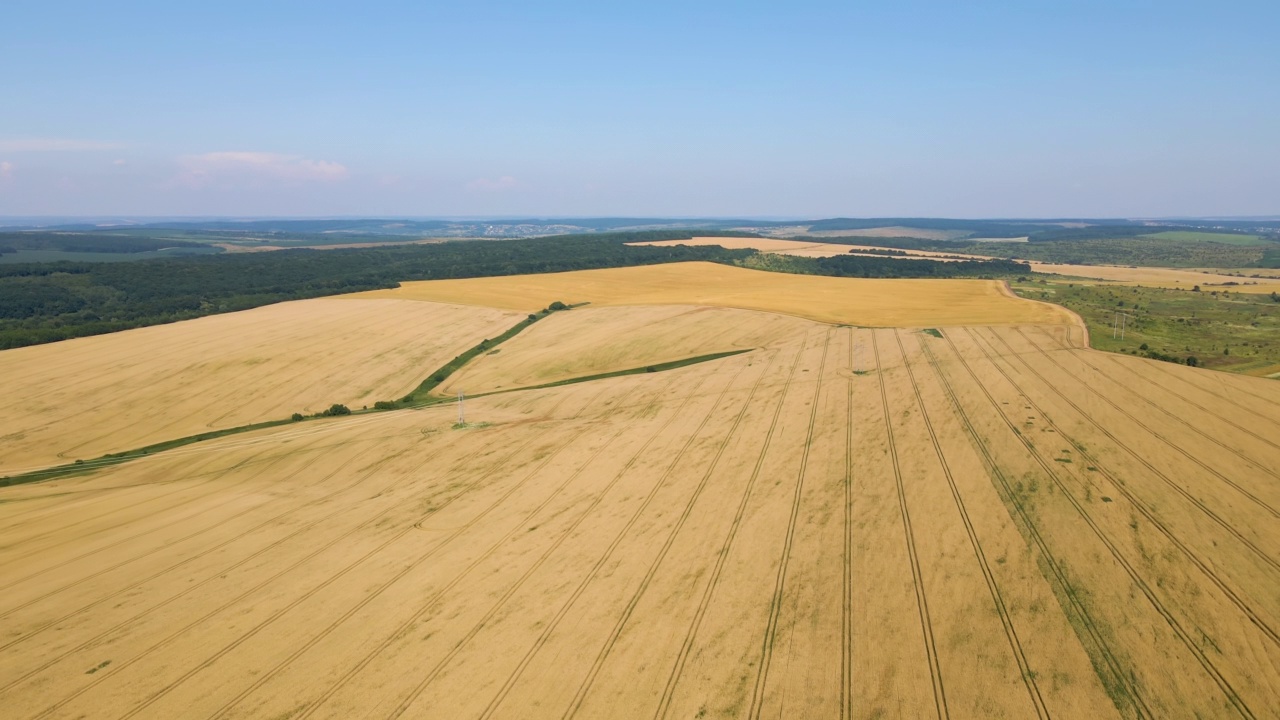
6, 170
54, 145
198, 170
506, 182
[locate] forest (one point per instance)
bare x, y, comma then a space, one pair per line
12, 242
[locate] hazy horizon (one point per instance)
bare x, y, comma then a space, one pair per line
575, 110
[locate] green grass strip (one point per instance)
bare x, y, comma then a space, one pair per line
82, 467
658, 367
418, 398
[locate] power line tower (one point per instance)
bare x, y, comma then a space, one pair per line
1118, 325
462, 416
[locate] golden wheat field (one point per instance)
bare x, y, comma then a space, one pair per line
802, 248
1170, 278
974, 521
868, 302
85, 397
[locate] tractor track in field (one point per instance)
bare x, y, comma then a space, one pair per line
369, 596
89, 465
922, 602
1223, 386
1223, 684
407, 625
361, 479
1011, 633
704, 603
1150, 517
529, 572
278, 436
25, 542
515, 674
1115, 362
187, 590
116, 667
1142, 460
1255, 499
122, 563
846, 604
775, 607
589, 680
1023, 520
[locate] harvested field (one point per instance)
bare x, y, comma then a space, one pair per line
868, 302
982, 521
79, 399
1164, 277
801, 248
894, 231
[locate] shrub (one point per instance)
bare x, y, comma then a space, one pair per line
385, 405
296, 417
557, 305
337, 409
1193, 361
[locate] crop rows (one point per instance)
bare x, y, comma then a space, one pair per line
845, 522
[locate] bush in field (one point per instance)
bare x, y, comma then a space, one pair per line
296, 417
336, 409
385, 405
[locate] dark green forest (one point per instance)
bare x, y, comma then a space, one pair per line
861, 266
1085, 250
884, 267
12, 242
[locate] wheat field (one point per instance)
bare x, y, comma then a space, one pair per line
869, 302
82, 398
975, 521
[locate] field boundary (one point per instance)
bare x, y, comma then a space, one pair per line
86, 467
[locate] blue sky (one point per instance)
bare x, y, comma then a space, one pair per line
978, 109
